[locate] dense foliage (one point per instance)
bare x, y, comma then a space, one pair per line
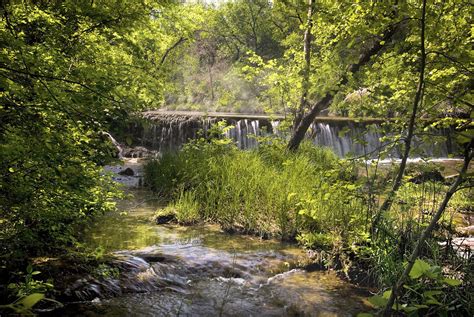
249, 57
67, 70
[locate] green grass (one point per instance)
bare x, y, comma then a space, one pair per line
267, 191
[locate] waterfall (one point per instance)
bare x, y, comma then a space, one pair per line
346, 139
116, 144
245, 133
165, 132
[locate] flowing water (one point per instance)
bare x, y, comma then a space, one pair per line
168, 131
201, 271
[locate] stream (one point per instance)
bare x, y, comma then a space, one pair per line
171, 270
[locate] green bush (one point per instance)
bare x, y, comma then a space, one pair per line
30, 285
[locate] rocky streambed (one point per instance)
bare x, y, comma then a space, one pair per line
170, 270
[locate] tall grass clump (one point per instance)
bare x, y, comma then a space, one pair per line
185, 208
266, 191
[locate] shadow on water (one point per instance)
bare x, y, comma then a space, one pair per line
201, 271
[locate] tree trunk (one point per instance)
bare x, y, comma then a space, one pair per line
411, 126
307, 66
211, 82
300, 131
468, 154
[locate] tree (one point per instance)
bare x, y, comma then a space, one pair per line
67, 70
246, 25
324, 103
307, 65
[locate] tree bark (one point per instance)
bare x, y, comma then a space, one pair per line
307, 65
411, 125
300, 131
468, 154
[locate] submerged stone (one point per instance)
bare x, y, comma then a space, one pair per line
164, 219
127, 172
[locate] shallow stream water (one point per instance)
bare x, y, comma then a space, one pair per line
201, 271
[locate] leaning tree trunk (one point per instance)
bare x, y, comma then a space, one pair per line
307, 65
468, 154
302, 127
411, 125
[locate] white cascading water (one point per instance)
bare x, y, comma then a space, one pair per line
116, 144
344, 137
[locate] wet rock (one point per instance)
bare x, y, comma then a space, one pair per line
127, 172
156, 257
89, 288
425, 176
137, 152
467, 243
165, 218
463, 246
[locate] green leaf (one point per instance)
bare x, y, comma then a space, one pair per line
419, 268
378, 301
409, 309
410, 288
452, 282
421, 306
387, 294
29, 301
432, 293
364, 315
433, 301
434, 272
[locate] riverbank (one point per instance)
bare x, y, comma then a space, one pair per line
201, 271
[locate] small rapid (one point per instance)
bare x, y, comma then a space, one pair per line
171, 270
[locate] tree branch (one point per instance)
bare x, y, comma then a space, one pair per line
58, 79
178, 42
324, 103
